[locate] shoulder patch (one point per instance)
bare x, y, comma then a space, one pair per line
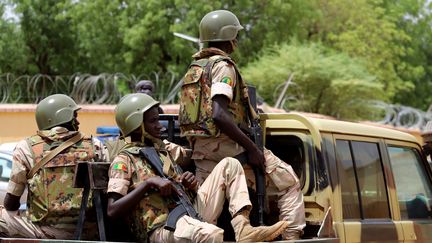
228, 81
120, 166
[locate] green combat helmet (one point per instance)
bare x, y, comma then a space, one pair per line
130, 111
55, 110
219, 25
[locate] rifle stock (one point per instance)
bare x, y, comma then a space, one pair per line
184, 205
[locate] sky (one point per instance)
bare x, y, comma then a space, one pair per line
9, 13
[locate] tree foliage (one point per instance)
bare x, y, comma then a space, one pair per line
13, 51
324, 82
67, 36
414, 16
364, 29
389, 40
48, 35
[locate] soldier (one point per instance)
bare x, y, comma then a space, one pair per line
44, 163
145, 87
135, 189
213, 116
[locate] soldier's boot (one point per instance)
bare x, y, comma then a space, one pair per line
244, 232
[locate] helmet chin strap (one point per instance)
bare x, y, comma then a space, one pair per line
143, 133
233, 44
74, 126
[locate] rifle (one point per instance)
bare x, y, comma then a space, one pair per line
256, 134
184, 205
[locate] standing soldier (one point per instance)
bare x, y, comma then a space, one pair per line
139, 186
213, 116
45, 164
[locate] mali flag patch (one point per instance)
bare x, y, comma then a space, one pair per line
228, 81
120, 166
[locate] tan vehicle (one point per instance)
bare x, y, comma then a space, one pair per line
360, 183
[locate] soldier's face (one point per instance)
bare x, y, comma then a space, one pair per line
145, 87
151, 122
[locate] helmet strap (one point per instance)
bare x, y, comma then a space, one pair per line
74, 126
143, 133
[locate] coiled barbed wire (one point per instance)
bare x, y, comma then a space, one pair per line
104, 88
108, 88
403, 116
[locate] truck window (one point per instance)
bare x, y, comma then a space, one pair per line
289, 149
364, 194
412, 183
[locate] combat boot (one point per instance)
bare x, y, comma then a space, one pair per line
244, 232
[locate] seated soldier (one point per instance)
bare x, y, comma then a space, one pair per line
44, 163
135, 189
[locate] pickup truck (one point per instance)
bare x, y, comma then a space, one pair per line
361, 183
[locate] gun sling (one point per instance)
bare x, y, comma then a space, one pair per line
71, 141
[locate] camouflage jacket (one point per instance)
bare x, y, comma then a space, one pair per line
195, 115
52, 199
127, 171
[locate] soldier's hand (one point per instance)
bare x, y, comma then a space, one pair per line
256, 158
165, 186
189, 180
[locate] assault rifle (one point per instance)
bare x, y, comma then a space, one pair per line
256, 135
184, 205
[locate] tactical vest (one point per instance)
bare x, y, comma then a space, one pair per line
52, 198
152, 211
195, 115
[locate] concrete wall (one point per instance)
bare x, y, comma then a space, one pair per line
17, 121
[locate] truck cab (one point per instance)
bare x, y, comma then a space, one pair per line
360, 183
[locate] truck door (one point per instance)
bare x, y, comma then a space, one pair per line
366, 210
413, 190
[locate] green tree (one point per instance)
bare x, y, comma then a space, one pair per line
134, 37
324, 81
13, 52
48, 36
137, 36
99, 35
414, 17
363, 29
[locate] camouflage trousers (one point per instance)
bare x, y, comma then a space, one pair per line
14, 225
281, 180
226, 181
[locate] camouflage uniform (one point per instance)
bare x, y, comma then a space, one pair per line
52, 204
214, 73
226, 181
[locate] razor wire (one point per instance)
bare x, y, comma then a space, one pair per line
108, 88
403, 116
389, 114
104, 88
